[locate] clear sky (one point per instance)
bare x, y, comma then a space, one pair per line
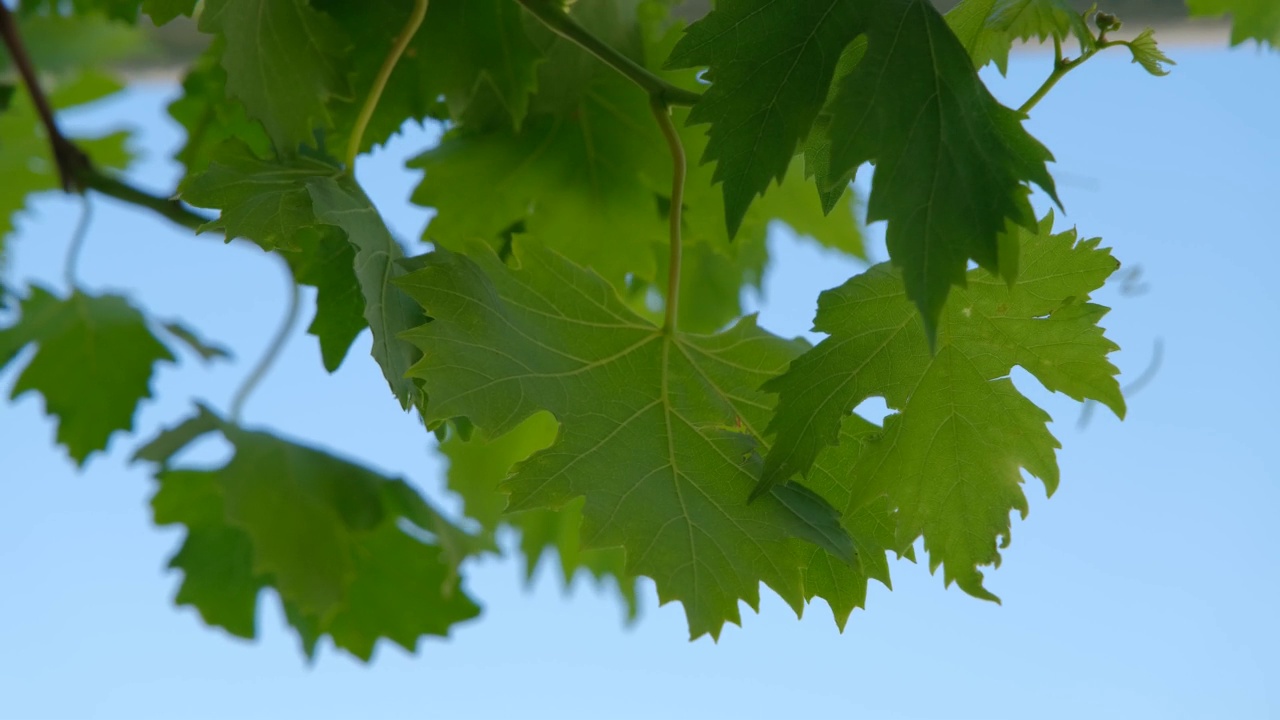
1144, 589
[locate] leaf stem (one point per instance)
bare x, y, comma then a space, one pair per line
679, 168
1062, 66
272, 352
171, 209
416, 15
549, 12
77, 243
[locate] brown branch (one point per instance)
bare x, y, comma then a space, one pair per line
66, 155
76, 172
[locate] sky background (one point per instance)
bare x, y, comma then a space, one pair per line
1145, 588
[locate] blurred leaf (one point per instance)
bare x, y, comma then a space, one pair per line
93, 363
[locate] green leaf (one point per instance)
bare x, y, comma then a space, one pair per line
327, 263
871, 526
1147, 54
216, 559
477, 467
126, 10
589, 175
1251, 19
464, 48
211, 118
388, 311
93, 363
206, 350
572, 178
265, 201
331, 538
62, 46
913, 104
284, 61
656, 429
761, 104
1027, 20
298, 205
933, 125
165, 11
950, 456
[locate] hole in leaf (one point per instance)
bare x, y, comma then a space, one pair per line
873, 409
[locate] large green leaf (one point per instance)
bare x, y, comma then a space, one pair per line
1011, 20
950, 160
913, 104
464, 49
589, 175
950, 456
269, 203
477, 467
343, 546
303, 206
93, 363
284, 61
210, 117
387, 310
761, 104
262, 200
1251, 19
656, 429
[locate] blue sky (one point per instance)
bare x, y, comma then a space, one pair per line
1144, 588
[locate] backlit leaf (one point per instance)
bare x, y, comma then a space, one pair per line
93, 362
950, 456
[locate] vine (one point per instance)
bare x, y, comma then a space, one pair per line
550, 204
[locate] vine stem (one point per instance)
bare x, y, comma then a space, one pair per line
65, 154
272, 352
77, 243
662, 113
416, 16
76, 172
550, 14
1062, 66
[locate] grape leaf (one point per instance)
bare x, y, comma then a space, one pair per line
588, 165
93, 363
298, 205
464, 48
477, 467
327, 263
913, 104
388, 311
949, 459
1147, 54
206, 350
761, 104
126, 10
1251, 19
165, 11
870, 526
1025, 20
265, 201
341, 545
284, 61
654, 426
575, 175
933, 126
210, 117
269, 203
65, 45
